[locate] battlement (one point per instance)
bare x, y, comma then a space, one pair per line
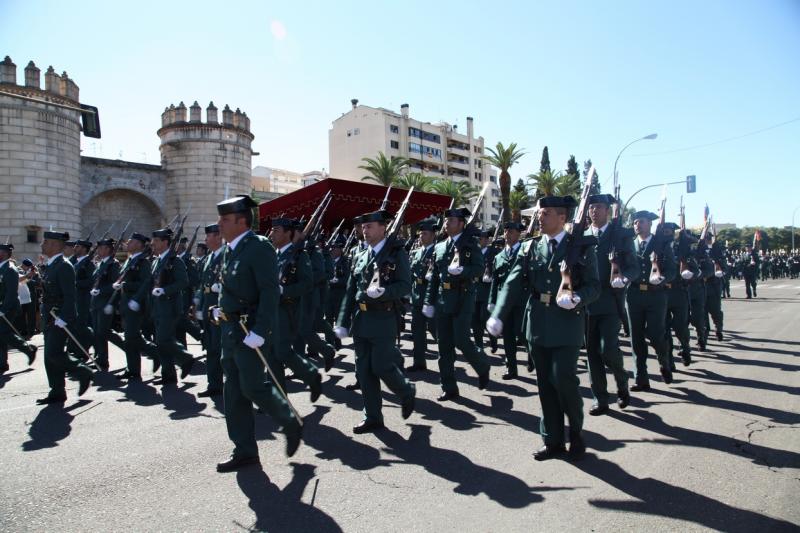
177, 116
54, 84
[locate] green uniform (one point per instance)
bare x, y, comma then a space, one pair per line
337, 284
453, 297
373, 323
677, 320
647, 308
185, 324
481, 314
58, 286
697, 297
296, 282
311, 310
10, 307
554, 334
250, 293
209, 275
603, 316
421, 272
166, 310
136, 288
714, 287
512, 323
84, 281
750, 272
105, 274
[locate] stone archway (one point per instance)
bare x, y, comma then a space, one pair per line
120, 205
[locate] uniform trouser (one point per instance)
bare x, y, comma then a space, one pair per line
697, 317
750, 285
557, 377
132, 322
82, 329
57, 362
512, 335
376, 361
308, 337
212, 338
678, 321
9, 339
244, 386
101, 326
420, 326
170, 351
286, 357
602, 351
452, 331
185, 326
714, 308
647, 315
29, 318
479, 317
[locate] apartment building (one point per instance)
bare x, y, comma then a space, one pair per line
279, 181
439, 150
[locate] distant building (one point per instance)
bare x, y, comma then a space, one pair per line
438, 150
279, 182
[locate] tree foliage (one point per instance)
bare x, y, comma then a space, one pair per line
504, 158
383, 170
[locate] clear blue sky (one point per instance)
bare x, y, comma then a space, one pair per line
584, 78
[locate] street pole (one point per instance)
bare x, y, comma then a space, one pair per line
645, 138
793, 214
650, 187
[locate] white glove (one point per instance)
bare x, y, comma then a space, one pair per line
117, 285
719, 273
428, 275
455, 270
655, 279
254, 341
198, 315
216, 313
490, 307
158, 291
487, 278
216, 288
196, 301
108, 309
94, 292
428, 311
494, 326
375, 292
133, 305
60, 323
618, 283
568, 301
334, 280
340, 332
687, 274
280, 289
2, 313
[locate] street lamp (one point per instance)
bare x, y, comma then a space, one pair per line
645, 138
793, 214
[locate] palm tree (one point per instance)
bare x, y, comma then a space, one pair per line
504, 158
544, 183
418, 180
461, 191
382, 169
517, 201
568, 184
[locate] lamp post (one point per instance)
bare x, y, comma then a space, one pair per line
793, 214
645, 138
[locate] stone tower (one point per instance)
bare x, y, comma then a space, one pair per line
204, 160
39, 157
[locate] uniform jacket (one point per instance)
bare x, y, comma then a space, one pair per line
58, 291
137, 280
209, 275
174, 280
421, 265
9, 289
447, 292
105, 274
503, 263
297, 282
607, 304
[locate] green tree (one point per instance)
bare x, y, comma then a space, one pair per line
572, 166
504, 158
517, 202
595, 179
544, 183
418, 180
383, 170
461, 191
544, 165
568, 185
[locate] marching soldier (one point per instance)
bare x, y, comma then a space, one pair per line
295, 282
457, 266
134, 284
207, 297
678, 297
503, 263
168, 281
105, 274
185, 325
697, 293
421, 274
338, 283
714, 287
602, 332
57, 313
481, 313
84, 282
370, 314
751, 266
554, 323
249, 301
647, 300
9, 308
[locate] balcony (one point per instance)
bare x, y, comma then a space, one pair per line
455, 150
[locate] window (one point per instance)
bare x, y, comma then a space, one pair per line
424, 135
394, 129
415, 147
356, 131
394, 144
349, 133
495, 192
33, 233
493, 179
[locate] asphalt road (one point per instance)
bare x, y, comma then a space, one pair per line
717, 449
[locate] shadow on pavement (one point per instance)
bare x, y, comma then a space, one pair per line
5, 378
51, 425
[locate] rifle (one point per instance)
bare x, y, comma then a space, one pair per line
317, 228
90, 255
392, 234
618, 235
109, 307
684, 242
658, 240
533, 223
314, 216
478, 204
349, 242
499, 225
335, 233
91, 233
173, 247
194, 239
487, 270
576, 240
468, 227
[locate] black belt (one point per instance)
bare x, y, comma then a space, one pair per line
546, 298
378, 306
645, 287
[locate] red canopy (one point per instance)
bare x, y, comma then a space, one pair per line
350, 199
